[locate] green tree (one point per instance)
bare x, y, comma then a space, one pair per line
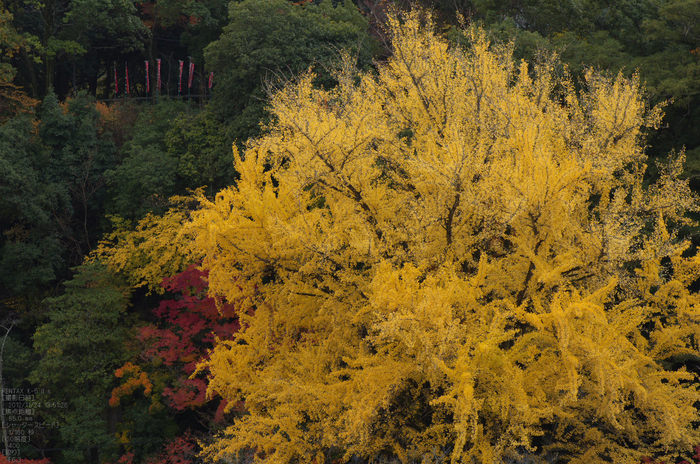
148, 173
170, 151
51, 194
268, 39
81, 345
80, 155
17, 360
202, 145
62, 31
31, 246
12, 98
673, 72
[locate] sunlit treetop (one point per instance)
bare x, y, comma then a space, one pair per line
455, 255
155, 249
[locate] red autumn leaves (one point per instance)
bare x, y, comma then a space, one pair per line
188, 327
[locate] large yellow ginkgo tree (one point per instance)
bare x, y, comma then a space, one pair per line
454, 259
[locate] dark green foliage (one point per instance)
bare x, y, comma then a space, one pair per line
80, 156
18, 360
147, 428
60, 32
268, 40
170, 151
203, 146
147, 175
30, 244
208, 19
81, 345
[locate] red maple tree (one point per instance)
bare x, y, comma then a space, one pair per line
187, 329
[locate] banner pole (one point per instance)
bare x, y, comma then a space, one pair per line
158, 85
116, 82
179, 81
148, 80
189, 80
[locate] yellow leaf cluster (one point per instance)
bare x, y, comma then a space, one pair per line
157, 247
454, 255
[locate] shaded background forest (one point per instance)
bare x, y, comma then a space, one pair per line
81, 162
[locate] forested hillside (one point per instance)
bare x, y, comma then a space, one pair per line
334, 231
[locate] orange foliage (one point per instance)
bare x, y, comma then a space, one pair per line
14, 101
135, 378
117, 118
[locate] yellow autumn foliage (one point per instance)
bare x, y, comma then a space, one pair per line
454, 257
157, 247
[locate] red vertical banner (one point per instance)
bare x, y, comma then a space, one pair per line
158, 79
148, 78
116, 81
189, 82
211, 79
126, 66
179, 82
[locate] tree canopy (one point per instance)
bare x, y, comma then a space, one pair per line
82, 343
268, 39
433, 251
455, 256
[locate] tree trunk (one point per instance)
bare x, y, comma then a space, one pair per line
34, 82
108, 81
